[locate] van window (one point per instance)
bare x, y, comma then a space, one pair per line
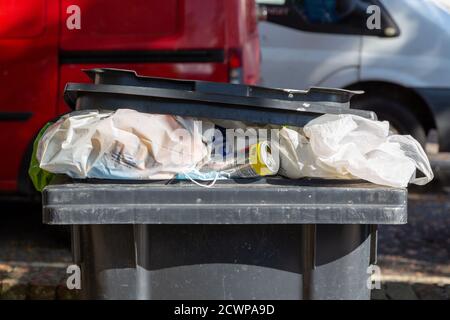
329, 16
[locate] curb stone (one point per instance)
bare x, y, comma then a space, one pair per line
13, 290
400, 291
63, 293
378, 294
427, 292
41, 292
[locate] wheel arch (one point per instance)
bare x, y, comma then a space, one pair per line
407, 95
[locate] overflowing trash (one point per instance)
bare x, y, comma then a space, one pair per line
126, 144
165, 129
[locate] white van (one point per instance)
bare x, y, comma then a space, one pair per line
397, 51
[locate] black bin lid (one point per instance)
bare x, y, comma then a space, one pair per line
116, 89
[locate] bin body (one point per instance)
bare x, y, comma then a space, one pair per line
223, 262
270, 239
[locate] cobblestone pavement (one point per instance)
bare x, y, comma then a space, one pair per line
33, 256
414, 258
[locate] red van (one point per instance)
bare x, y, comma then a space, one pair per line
45, 44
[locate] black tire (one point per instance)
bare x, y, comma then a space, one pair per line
400, 117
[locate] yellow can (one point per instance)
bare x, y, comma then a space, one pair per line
260, 161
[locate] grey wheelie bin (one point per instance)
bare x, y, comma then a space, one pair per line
268, 238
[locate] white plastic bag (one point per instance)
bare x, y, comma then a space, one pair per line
125, 144
352, 147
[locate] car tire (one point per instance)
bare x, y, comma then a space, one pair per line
401, 119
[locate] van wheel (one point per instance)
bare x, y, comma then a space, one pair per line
402, 120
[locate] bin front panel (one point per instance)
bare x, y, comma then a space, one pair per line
224, 261
265, 201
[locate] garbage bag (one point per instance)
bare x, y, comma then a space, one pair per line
38, 176
124, 144
352, 147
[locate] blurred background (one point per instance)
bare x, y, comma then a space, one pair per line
396, 51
